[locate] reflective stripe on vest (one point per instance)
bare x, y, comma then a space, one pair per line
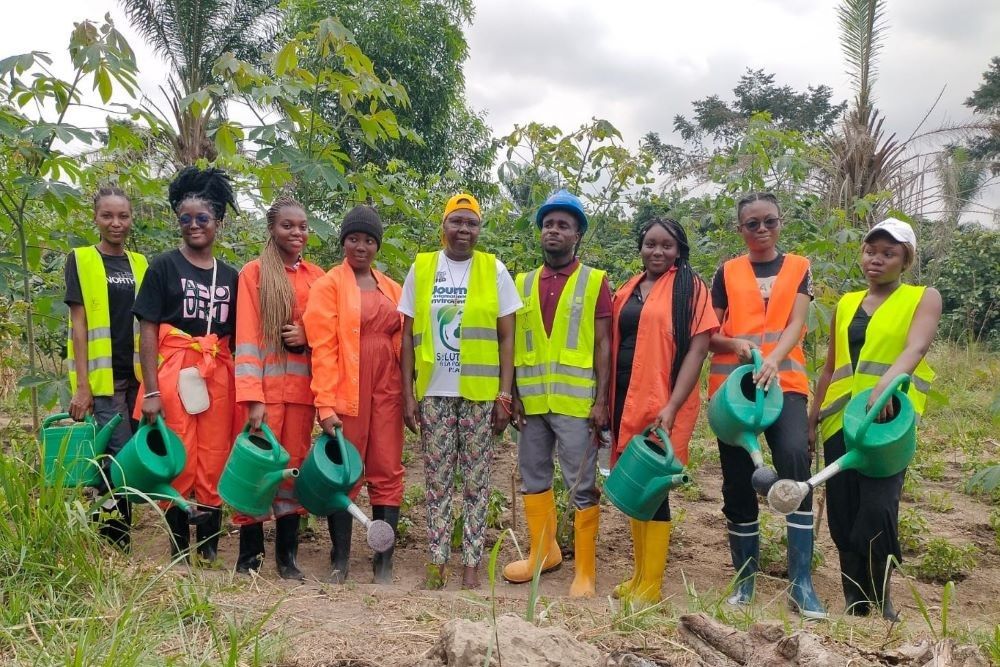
759, 323
478, 348
556, 373
96, 304
885, 340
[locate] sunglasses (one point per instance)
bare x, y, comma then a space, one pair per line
202, 219
754, 225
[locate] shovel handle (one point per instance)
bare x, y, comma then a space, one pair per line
758, 403
901, 381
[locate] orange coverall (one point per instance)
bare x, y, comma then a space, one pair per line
356, 373
208, 436
279, 381
649, 385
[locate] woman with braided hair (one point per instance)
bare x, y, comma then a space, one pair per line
273, 371
187, 312
661, 324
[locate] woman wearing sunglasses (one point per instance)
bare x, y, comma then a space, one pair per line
187, 313
762, 298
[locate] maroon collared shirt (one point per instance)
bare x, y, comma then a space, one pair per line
550, 287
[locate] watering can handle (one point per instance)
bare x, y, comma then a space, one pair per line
51, 419
902, 381
664, 439
269, 434
758, 403
341, 442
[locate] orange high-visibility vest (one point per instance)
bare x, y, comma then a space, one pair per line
748, 318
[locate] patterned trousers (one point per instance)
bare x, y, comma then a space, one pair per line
456, 435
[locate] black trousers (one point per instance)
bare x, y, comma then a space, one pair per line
788, 439
863, 512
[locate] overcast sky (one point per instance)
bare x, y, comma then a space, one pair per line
639, 63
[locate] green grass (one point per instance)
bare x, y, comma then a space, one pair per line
67, 598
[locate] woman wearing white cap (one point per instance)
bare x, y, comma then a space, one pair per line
876, 334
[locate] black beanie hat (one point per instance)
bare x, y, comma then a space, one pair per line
362, 219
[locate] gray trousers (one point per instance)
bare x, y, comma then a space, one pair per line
545, 436
122, 402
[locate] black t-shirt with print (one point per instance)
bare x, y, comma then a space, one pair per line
176, 292
765, 273
121, 296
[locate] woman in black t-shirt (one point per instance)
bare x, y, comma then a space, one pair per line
187, 310
101, 282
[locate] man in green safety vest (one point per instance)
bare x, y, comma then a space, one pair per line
562, 358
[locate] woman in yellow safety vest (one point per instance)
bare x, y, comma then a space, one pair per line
102, 344
458, 362
876, 334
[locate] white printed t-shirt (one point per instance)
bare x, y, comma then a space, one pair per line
451, 280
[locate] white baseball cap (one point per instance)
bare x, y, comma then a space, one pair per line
897, 229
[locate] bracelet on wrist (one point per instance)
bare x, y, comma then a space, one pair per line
151, 394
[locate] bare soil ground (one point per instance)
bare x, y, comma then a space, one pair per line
362, 624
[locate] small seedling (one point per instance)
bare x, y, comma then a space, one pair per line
943, 561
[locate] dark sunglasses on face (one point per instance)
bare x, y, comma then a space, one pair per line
202, 219
754, 225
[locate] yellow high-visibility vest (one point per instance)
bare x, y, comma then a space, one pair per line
478, 348
885, 340
94, 288
555, 373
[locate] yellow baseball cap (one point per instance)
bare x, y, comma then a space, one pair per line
462, 202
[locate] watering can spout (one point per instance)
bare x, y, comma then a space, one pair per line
103, 436
661, 485
272, 479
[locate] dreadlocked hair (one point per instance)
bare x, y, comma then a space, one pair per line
109, 190
748, 199
685, 294
211, 186
277, 296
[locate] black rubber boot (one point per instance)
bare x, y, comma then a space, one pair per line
382, 562
853, 576
286, 547
180, 532
208, 535
879, 593
341, 524
251, 548
116, 522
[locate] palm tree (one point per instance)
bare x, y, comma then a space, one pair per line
191, 35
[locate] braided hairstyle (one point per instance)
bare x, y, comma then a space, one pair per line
211, 186
109, 190
277, 296
685, 294
756, 196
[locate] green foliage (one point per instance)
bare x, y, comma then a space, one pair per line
995, 525
947, 594
943, 561
985, 100
912, 529
970, 288
496, 505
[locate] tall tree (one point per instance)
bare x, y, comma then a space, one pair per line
985, 100
420, 44
191, 35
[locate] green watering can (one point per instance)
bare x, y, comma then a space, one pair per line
69, 451
644, 474
739, 411
329, 472
148, 463
874, 449
256, 466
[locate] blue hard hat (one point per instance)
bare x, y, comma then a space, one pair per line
563, 200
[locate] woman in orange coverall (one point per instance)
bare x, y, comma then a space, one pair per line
355, 333
272, 372
187, 312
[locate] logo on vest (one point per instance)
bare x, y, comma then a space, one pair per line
449, 322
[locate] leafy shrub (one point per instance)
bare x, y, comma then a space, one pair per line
912, 528
970, 285
943, 561
995, 525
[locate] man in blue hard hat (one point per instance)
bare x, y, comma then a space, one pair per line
562, 357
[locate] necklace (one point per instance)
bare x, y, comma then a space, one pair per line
454, 297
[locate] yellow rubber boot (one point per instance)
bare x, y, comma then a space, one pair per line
540, 515
624, 589
654, 562
585, 536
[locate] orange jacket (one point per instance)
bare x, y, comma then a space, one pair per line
751, 321
333, 327
649, 387
265, 376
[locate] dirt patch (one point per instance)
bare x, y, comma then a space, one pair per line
362, 624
